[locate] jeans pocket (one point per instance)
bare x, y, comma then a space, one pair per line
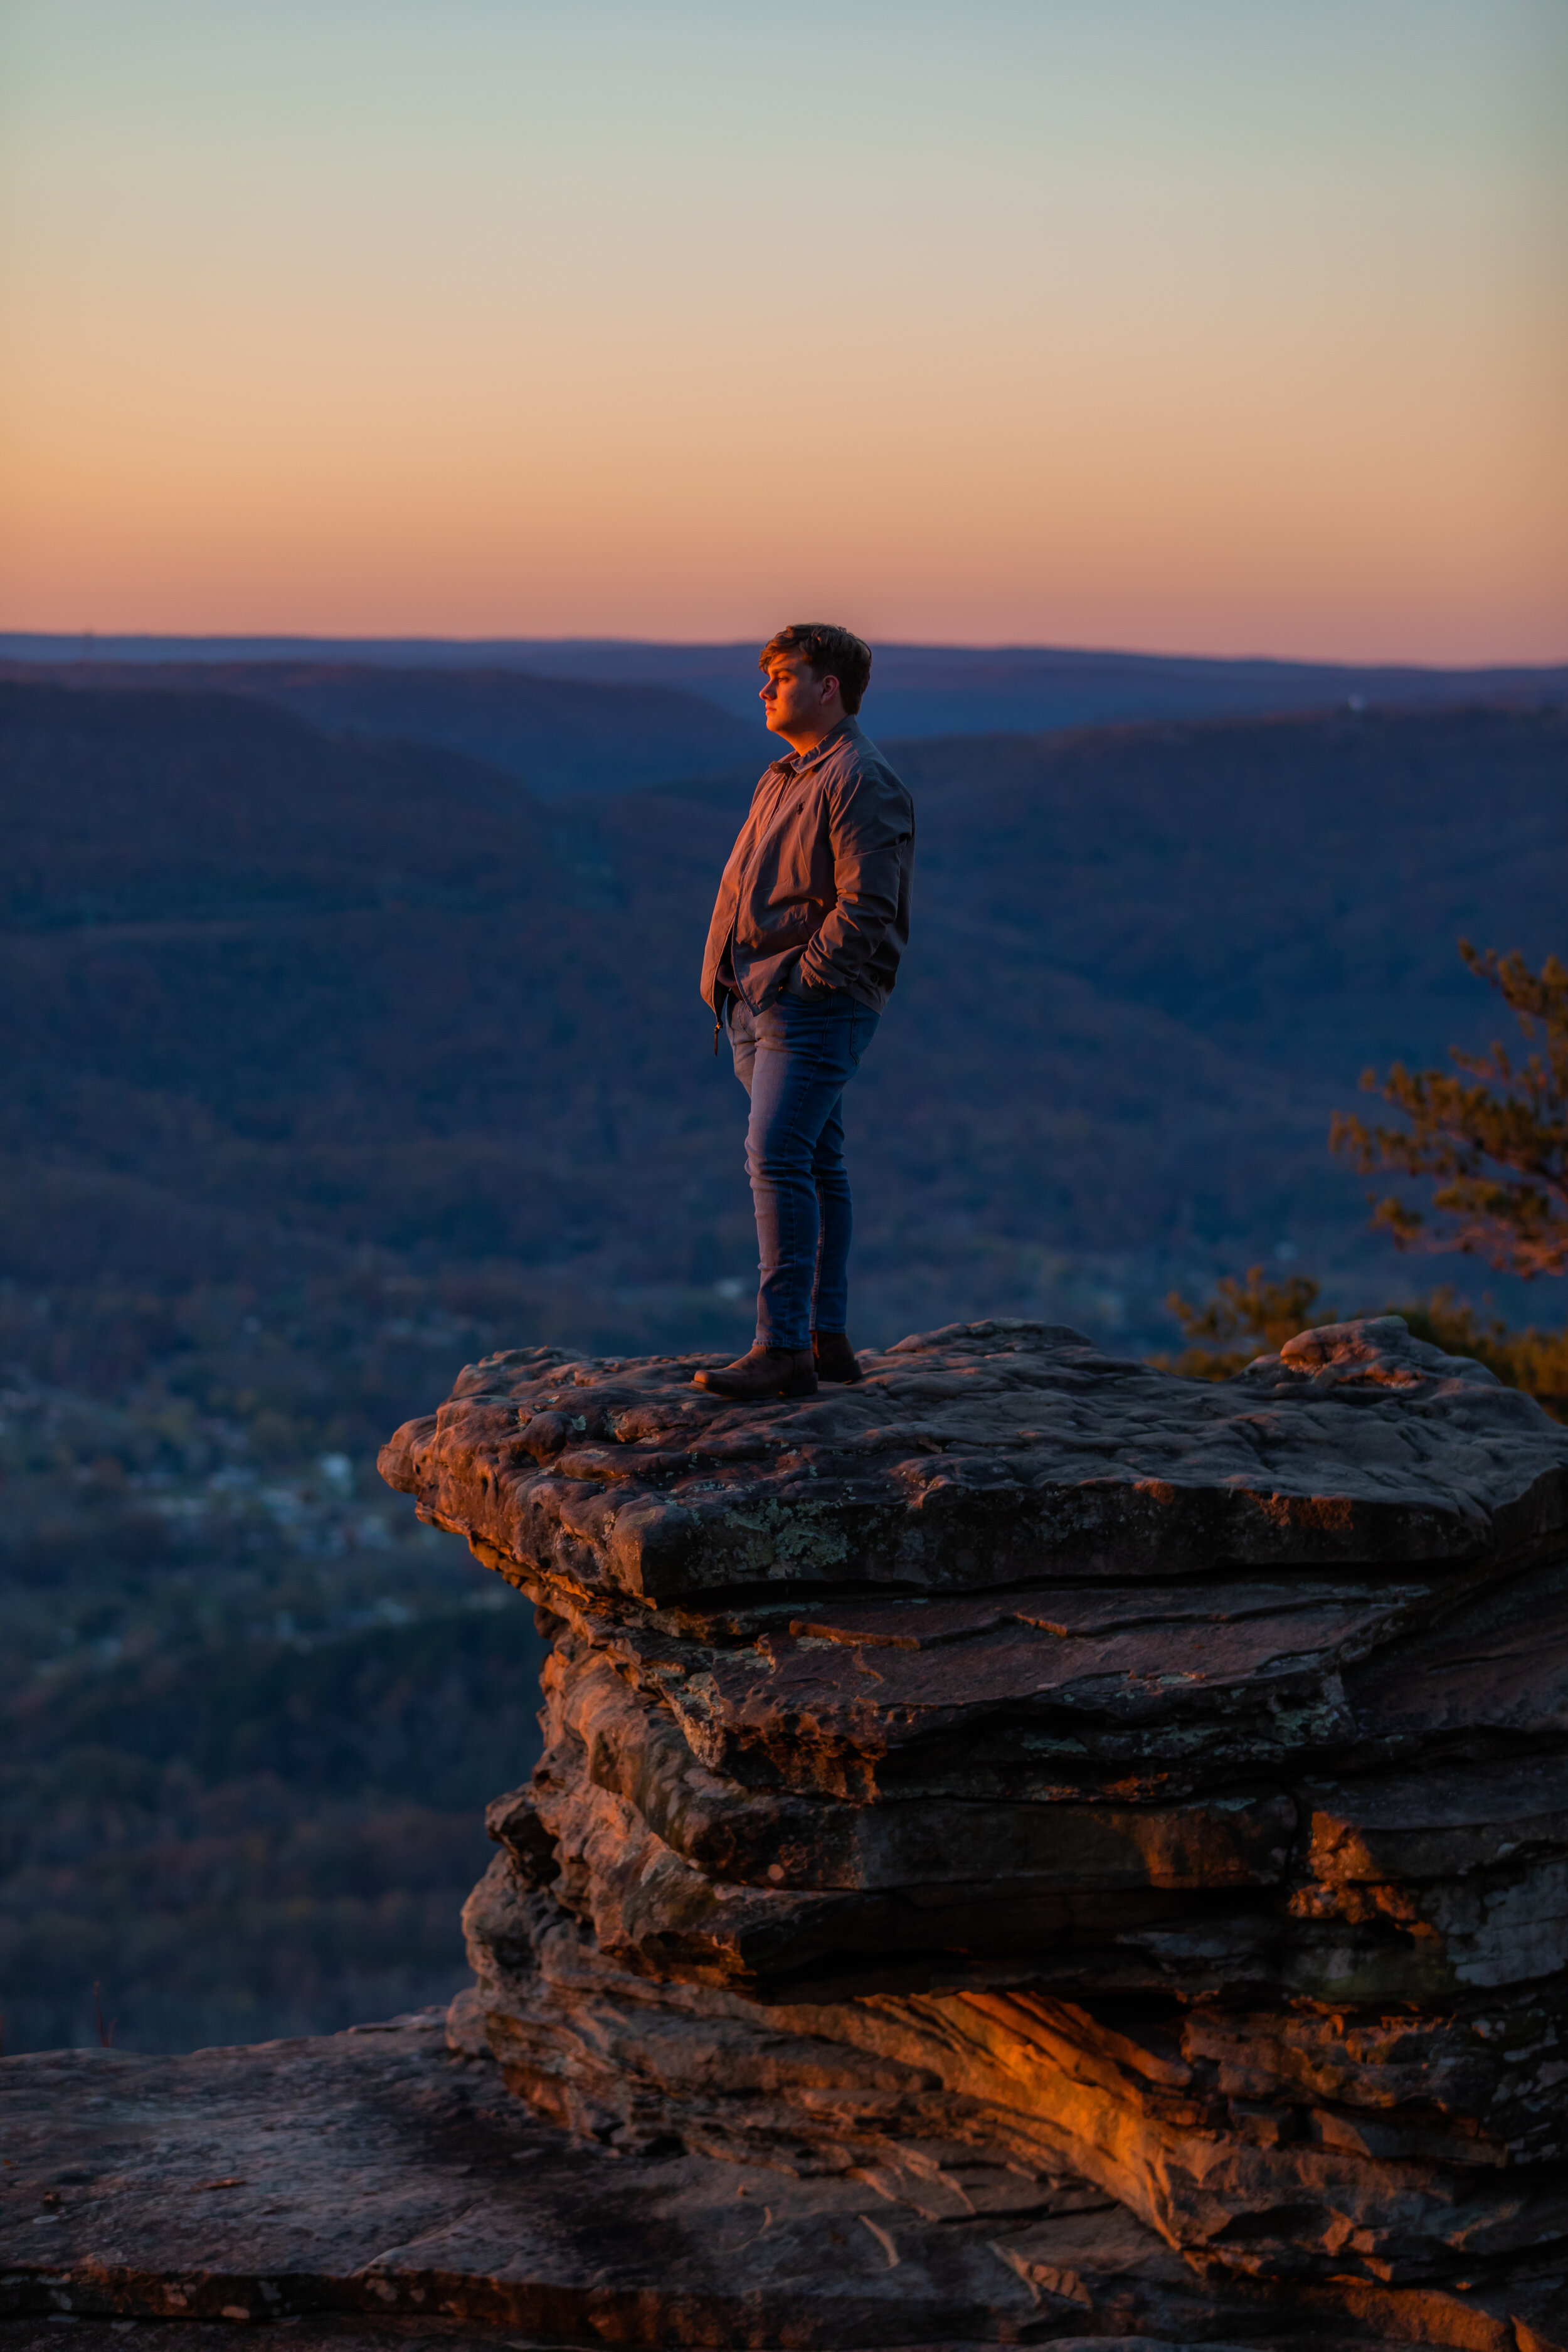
862, 1029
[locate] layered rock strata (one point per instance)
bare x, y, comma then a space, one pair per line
372, 2179
1028, 1765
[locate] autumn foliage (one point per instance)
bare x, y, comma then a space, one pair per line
1495, 1140
1242, 1320
1493, 1133
1247, 1319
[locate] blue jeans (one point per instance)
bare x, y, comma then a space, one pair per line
795, 1060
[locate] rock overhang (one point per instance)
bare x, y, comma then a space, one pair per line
983, 1456
1169, 1776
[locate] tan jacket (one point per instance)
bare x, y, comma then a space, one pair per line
819, 879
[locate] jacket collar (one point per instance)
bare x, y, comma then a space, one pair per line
797, 762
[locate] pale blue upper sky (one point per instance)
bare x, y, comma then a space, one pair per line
1216, 324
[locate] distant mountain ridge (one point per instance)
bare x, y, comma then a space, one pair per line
277, 994
559, 737
917, 690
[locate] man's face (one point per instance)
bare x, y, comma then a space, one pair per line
793, 701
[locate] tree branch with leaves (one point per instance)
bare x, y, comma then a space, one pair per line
1241, 1321
1492, 1134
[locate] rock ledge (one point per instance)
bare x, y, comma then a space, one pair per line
1029, 1775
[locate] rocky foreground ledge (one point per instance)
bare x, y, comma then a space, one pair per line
1028, 1849
1029, 1761
375, 2189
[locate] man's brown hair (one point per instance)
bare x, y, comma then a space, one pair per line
829, 653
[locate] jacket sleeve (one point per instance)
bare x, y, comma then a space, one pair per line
869, 826
722, 920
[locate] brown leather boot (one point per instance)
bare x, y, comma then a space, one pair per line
834, 1357
764, 1373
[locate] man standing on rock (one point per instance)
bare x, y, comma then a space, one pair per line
812, 917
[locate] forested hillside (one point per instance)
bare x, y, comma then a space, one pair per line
279, 1002
333, 1063
557, 736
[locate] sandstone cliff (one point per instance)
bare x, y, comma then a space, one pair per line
1027, 1780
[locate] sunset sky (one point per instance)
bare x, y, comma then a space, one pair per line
1215, 326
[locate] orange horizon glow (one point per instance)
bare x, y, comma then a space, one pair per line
1241, 336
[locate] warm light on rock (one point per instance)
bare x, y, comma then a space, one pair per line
1028, 1760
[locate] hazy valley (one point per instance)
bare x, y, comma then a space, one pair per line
338, 1059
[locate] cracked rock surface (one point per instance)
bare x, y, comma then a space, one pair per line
1030, 1751
980, 1456
378, 2179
